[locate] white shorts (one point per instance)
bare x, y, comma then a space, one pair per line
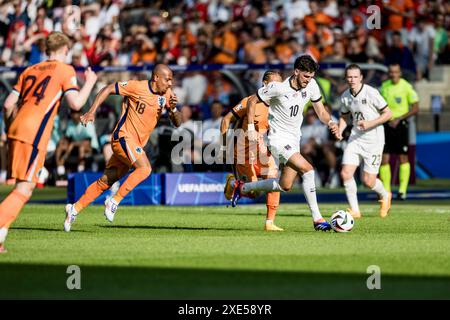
282, 150
370, 153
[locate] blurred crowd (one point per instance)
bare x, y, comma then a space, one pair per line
123, 32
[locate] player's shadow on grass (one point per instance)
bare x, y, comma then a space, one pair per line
264, 214
45, 281
45, 229
176, 228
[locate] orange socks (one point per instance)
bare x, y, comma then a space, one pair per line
10, 208
91, 193
272, 202
136, 177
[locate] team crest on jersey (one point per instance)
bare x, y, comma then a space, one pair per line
161, 101
123, 83
139, 150
364, 101
304, 94
398, 99
287, 147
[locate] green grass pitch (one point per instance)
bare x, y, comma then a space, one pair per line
162, 252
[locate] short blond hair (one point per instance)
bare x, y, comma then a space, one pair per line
55, 41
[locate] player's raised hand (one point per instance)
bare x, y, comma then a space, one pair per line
333, 126
90, 75
173, 101
86, 118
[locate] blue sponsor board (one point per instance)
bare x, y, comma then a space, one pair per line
147, 192
196, 189
190, 189
433, 154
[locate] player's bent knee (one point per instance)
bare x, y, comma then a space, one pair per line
108, 180
345, 175
286, 188
26, 190
369, 182
145, 171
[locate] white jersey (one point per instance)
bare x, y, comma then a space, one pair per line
365, 105
286, 106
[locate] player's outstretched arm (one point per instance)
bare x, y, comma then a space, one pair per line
10, 108
342, 124
325, 117
78, 99
99, 98
251, 106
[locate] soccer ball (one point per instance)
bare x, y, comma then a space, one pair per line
342, 221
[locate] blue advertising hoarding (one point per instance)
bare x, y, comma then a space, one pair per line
147, 192
196, 189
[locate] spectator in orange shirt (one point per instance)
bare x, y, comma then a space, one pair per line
326, 39
316, 16
397, 11
311, 47
282, 48
178, 30
225, 45
254, 49
145, 51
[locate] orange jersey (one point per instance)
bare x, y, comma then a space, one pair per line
395, 21
261, 126
261, 116
40, 89
141, 109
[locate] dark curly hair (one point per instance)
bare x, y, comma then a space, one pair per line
306, 63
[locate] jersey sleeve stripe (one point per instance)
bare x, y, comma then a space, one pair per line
117, 88
44, 122
384, 108
32, 161
121, 122
130, 153
235, 114
123, 144
16, 92
257, 95
317, 100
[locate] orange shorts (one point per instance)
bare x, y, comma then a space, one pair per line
25, 161
125, 154
251, 171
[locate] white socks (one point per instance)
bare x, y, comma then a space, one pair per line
61, 170
309, 189
267, 185
379, 189
350, 191
3, 234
